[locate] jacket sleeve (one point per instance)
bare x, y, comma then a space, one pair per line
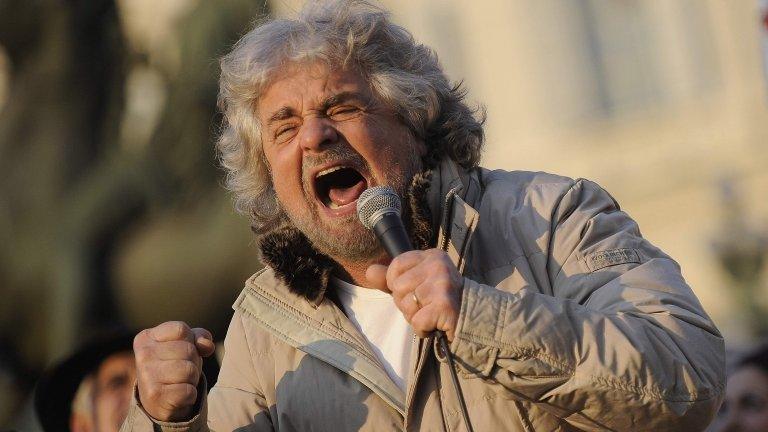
234, 403
622, 343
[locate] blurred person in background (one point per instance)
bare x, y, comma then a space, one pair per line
91, 390
745, 408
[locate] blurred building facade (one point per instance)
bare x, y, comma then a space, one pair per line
659, 102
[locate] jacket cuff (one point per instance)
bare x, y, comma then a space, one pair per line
480, 321
137, 416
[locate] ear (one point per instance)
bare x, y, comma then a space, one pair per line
263, 156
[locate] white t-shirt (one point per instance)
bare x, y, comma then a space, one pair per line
374, 313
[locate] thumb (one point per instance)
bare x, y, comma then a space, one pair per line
204, 342
376, 274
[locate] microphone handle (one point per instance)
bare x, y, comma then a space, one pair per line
391, 233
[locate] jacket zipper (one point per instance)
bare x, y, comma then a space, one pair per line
447, 204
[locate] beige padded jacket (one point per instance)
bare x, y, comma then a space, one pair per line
569, 320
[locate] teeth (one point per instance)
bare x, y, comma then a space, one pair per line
329, 170
333, 206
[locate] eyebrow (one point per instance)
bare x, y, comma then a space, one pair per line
342, 97
281, 114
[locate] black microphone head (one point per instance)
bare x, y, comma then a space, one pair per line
375, 202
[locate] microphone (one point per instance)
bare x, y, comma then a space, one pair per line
379, 210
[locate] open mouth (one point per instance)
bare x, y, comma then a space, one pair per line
339, 186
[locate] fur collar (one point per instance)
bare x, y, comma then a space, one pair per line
306, 271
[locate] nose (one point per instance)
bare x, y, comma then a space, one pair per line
316, 134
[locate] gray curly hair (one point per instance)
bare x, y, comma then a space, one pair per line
404, 74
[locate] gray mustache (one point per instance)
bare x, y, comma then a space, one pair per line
334, 154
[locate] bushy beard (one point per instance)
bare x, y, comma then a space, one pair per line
347, 239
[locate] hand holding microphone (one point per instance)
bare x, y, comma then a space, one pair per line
425, 285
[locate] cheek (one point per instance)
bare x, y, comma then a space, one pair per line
374, 141
286, 191
286, 171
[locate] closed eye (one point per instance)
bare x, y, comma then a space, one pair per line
343, 112
284, 132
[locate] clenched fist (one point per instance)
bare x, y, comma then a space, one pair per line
169, 363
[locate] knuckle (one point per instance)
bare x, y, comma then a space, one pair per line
178, 329
402, 261
189, 350
189, 392
190, 371
393, 270
141, 339
404, 257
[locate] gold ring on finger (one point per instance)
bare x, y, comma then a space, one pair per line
416, 299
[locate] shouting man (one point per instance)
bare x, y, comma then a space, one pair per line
560, 316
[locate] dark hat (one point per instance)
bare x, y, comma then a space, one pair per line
56, 389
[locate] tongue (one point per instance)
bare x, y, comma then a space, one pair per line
342, 196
